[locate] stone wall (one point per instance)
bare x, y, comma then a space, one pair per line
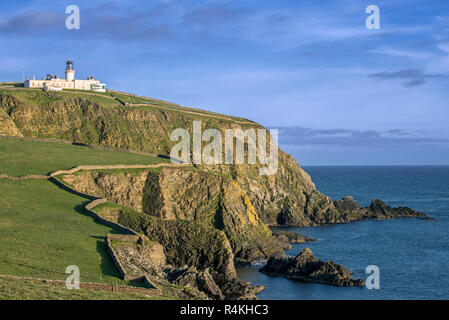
94, 286
115, 259
121, 237
27, 177
66, 187
123, 273
115, 166
108, 223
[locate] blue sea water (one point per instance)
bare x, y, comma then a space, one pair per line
412, 254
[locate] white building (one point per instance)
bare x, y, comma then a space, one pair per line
55, 83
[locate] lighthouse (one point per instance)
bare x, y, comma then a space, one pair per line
69, 71
55, 83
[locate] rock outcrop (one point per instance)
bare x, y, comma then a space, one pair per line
204, 282
377, 210
305, 267
193, 255
187, 244
201, 280
7, 126
291, 237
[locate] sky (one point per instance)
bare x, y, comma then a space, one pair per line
339, 93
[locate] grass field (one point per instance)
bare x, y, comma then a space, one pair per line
11, 289
23, 157
39, 97
44, 229
105, 99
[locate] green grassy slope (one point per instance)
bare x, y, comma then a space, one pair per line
43, 230
133, 99
11, 289
100, 119
22, 157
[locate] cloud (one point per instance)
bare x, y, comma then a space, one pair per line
411, 54
444, 46
32, 23
414, 83
128, 22
112, 21
414, 77
210, 14
360, 139
401, 74
399, 132
106, 21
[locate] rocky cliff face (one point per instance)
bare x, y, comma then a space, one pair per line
183, 242
193, 255
213, 201
288, 197
121, 187
7, 126
187, 194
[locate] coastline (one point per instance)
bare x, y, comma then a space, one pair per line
410, 252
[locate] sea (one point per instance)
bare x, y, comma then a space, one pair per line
412, 254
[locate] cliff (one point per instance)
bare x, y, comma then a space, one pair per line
287, 198
187, 194
234, 200
193, 255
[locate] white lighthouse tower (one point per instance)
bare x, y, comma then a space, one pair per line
69, 71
